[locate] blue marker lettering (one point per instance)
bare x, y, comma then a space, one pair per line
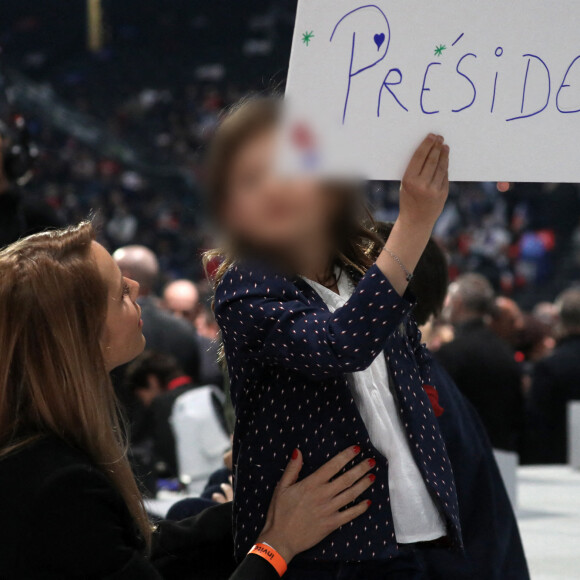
529, 57
498, 53
425, 89
458, 39
351, 73
564, 85
387, 85
468, 80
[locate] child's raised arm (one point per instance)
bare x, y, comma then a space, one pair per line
266, 317
424, 190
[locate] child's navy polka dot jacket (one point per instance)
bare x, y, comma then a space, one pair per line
288, 359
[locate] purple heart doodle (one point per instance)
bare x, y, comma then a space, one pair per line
379, 39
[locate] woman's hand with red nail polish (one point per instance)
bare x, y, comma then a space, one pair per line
302, 513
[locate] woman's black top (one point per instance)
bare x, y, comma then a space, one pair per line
60, 518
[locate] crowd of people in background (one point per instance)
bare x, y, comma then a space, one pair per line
518, 369
521, 241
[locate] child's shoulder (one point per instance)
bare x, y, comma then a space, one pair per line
254, 278
250, 273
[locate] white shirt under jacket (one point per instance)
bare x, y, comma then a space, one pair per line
415, 515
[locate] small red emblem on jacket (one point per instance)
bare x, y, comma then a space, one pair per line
434, 398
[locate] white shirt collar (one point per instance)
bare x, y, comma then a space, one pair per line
331, 298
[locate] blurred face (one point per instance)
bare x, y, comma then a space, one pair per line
122, 338
268, 211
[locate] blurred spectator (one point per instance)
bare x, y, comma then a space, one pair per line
122, 226
507, 320
534, 341
164, 333
436, 333
546, 312
157, 381
199, 415
555, 382
482, 364
181, 298
206, 324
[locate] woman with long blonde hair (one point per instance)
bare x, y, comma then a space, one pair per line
69, 504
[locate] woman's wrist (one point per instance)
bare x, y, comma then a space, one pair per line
277, 541
271, 555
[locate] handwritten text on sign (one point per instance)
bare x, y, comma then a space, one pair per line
500, 80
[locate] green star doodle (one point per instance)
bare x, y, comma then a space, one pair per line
307, 37
439, 50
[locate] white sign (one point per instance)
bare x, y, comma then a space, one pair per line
499, 79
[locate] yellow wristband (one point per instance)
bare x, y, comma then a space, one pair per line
268, 553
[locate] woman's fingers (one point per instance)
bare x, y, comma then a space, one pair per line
292, 470
302, 514
350, 494
351, 513
442, 171
420, 156
350, 477
325, 473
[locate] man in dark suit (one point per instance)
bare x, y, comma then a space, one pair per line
164, 333
482, 364
555, 382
